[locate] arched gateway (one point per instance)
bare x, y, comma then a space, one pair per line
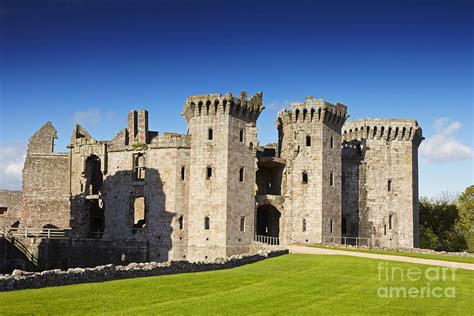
268, 224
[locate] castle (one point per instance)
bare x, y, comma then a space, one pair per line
215, 191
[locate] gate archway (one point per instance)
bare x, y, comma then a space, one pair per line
268, 221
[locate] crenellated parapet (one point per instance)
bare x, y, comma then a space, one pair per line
382, 129
312, 111
216, 104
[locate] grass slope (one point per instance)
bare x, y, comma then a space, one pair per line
291, 284
406, 254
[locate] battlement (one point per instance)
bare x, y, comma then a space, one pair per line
213, 104
382, 129
314, 110
174, 140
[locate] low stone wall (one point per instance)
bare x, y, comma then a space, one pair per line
408, 250
32, 280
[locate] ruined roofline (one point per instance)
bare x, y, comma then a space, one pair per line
383, 129
211, 104
314, 110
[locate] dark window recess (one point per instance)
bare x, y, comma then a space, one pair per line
209, 134
389, 185
181, 222
241, 136
242, 223
331, 142
305, 177
344, 225
390, 221
208, 173
330, 226
385, 229
206, 223
241, 174
3, 210
331, 179
183, 172
304, 224
308, 140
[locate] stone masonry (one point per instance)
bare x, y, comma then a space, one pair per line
210, 193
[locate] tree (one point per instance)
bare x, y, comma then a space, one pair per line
466, 216
439, 226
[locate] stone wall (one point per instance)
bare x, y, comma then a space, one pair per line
10, 207
310, 134
388, 174
28, 280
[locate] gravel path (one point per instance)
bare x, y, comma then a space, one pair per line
431, 262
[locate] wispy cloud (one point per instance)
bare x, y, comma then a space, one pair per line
444, 145
278, 105
92, 117
12, 157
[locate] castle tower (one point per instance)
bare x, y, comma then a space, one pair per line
380, 165
222, 173
309, 141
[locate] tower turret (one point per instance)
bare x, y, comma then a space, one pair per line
222, 173
309, 141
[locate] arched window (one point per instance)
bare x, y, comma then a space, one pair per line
308, 140
139, 166
209, 133
304, 224
207, 224
241, 174
304, 177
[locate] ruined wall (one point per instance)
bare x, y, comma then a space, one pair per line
10, 207
45, 182
388, 208
305, 139
140, 201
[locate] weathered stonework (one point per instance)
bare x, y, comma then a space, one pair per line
210, 193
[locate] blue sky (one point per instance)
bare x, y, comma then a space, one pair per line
91, 62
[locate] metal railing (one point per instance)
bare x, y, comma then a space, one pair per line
36, 232
96, 234
267, 240
353, 241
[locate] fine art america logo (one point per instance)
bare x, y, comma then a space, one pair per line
415, 282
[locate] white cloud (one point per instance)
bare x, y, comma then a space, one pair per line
89, 117
12, 157
92, 117
444, 145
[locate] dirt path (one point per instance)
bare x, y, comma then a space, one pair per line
432, 262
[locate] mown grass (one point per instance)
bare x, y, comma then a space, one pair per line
292, 284
406, 254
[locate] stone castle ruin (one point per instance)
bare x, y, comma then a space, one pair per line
215, 191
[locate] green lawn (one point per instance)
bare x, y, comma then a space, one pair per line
406, 254
290, 284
